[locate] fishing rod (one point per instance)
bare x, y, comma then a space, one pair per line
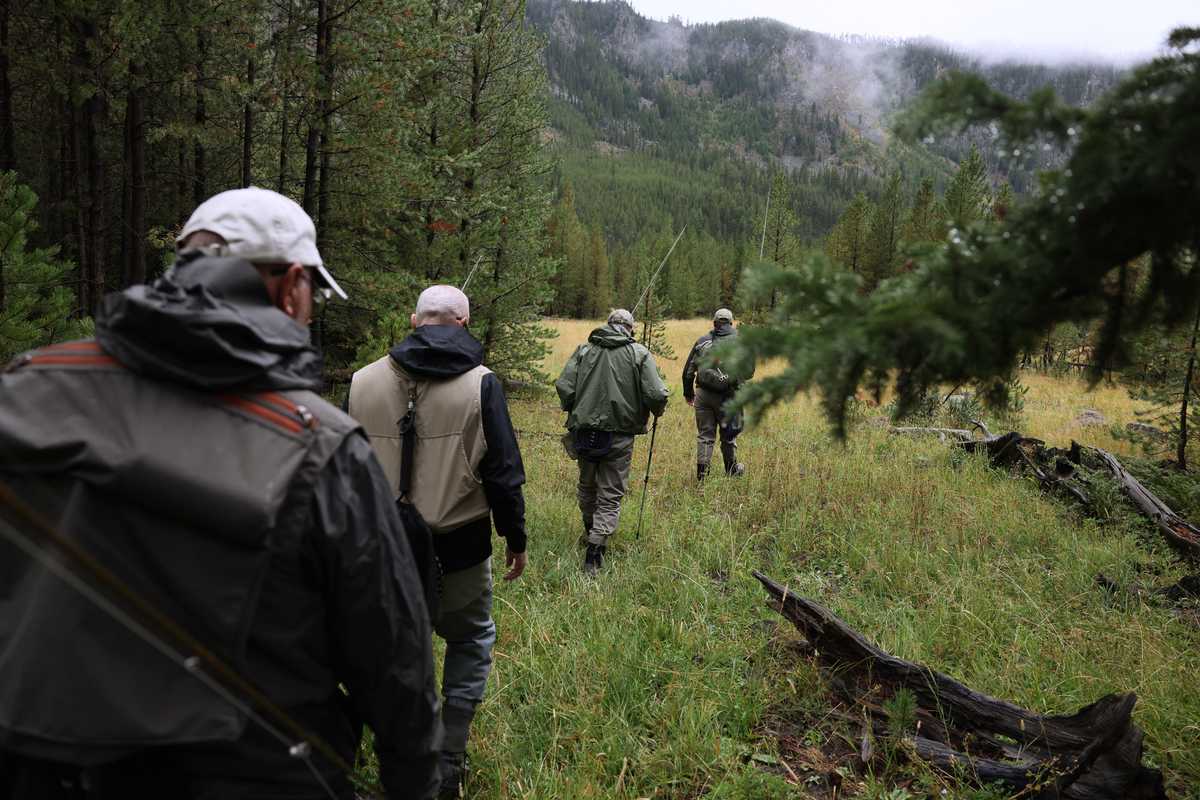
26, 529
655, 275
762, 243
471, 274
646, 481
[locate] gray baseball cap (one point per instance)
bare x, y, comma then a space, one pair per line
723, 315
261, 225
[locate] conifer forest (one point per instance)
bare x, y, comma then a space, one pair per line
967, 299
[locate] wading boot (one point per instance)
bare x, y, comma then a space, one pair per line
593, 559
452, 767
733, 468
452, 761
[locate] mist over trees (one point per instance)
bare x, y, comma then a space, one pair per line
658, 124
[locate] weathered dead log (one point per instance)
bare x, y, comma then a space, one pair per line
1182, 535
1013, 449
1094, 754
957, 434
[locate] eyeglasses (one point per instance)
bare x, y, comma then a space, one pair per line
320, 293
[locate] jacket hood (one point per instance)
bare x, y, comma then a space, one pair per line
611, 337
723, 331
208, 323
438, 352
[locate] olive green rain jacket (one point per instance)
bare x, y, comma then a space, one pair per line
611, 383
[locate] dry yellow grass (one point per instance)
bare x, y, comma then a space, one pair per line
1052, 406
655, 679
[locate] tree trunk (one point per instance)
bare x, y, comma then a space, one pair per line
8, 158
312, 145
326, 109
432, 269
75, 172
478, 75
248, 126
200, 171
1181, 448
135, 225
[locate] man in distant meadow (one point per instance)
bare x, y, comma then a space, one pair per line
609, 388
708, 388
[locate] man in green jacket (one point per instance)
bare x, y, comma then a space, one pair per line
608, 388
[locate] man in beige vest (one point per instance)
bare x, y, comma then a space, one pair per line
467, 472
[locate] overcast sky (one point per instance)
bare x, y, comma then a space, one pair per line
1120, 30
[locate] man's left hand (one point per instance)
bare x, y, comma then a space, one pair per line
516, 564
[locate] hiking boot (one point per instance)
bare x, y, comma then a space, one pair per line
453, 770
593, 559
736, 471
701, 471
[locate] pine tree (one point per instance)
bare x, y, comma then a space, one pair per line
599, 295
968, 197
882, 244
926, 219
973, 304
847, 242
36, 302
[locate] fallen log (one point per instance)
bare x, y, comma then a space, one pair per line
1094, 754
958, 434
1182, 535
1012, 449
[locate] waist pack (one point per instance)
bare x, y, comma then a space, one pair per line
712, 377
592, 445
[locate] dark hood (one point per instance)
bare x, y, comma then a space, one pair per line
438, 352
208, 323
611, 337
721, 331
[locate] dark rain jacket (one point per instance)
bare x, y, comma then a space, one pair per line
718, 336
185, 451
611, 383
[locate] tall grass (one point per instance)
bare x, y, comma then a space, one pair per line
656, 679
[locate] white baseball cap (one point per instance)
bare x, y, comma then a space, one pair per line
261, 225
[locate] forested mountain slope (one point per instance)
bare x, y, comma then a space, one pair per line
658, 124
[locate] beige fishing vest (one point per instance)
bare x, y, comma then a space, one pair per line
446, 486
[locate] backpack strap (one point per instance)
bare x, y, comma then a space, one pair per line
408, 441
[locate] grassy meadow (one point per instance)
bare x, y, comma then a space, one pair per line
668, 677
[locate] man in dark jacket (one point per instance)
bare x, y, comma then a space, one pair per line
708, 388
609, 388
185, 451
466, 473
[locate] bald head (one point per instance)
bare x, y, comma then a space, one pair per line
442, 305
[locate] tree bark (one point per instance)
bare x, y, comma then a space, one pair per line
248, 125
200, 169
312, 144
1181, 535
325, 145
135, 226
8, 158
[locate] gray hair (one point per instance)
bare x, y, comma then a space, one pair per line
619, 316
442, 305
